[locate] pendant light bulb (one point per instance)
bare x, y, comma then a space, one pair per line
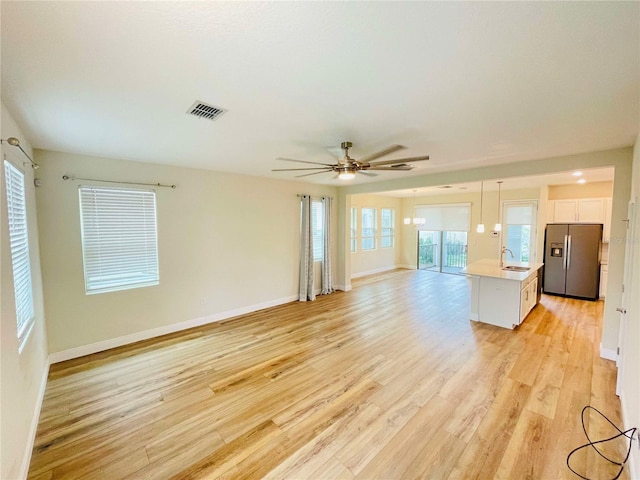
480, 227
498, 226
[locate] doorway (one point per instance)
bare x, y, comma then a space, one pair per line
442, 251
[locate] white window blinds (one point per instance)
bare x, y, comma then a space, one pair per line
452, 217
387, 227
317, 227
19, 245
119, 238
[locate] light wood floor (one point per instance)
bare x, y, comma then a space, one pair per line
390, 380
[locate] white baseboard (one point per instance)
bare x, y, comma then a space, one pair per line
344, 288
380, 270
407, 267
35, 418
83, 350
634, 456
608, 353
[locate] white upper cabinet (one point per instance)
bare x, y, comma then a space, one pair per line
582, 210
591, 210
565, 211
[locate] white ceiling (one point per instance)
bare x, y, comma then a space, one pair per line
468, 83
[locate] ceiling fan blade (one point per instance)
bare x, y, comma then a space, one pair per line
314, 173
368, 174
400, 160
392, 169
295, 169
381, 153
303, 161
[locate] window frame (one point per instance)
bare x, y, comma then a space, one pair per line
389, 230
354, 229
118, 225
369, 234
317, 229
16, 196
533, 232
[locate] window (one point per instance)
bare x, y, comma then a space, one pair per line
519, 229
19, 245
119, 238
453, 217
354, 229
317, 228
368, 228
387, 230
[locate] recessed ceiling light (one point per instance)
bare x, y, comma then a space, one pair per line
577, 173
582, 180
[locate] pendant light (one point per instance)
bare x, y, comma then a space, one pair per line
498, 226
414, 220
480, 227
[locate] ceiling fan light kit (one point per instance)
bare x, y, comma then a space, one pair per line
348, 167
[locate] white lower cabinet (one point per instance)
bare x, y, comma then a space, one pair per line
528, 296
502, 302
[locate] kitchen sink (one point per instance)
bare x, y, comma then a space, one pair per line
515, 268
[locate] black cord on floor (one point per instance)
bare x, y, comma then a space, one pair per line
627, 433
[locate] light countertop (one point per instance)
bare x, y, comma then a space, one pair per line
489, 267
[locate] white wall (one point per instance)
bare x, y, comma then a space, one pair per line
480, 245
227, 243
23, 374
364, 262
630, 379
577, 190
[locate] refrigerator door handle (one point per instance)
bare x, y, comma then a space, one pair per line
569, 252
564, 260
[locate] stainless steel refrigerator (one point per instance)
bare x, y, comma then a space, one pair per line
572, 260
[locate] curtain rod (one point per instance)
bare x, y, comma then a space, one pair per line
313, 196
71, 177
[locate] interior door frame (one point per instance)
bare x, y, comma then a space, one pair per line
626, 282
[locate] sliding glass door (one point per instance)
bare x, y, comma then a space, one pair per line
442, 238
442, 251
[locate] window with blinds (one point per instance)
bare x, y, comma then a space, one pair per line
19, 245
368, 228
119, 238
387, 231
317, 228
354, 229
453, 217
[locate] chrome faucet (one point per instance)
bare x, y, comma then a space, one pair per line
504, 250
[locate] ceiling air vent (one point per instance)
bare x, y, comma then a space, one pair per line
202, 110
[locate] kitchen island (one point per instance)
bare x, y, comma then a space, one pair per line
503, 296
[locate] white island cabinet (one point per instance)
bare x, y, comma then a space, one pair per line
502, 297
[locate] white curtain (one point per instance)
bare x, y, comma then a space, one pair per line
305, 288
327, 275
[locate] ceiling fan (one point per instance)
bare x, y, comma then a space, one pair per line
347, 167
